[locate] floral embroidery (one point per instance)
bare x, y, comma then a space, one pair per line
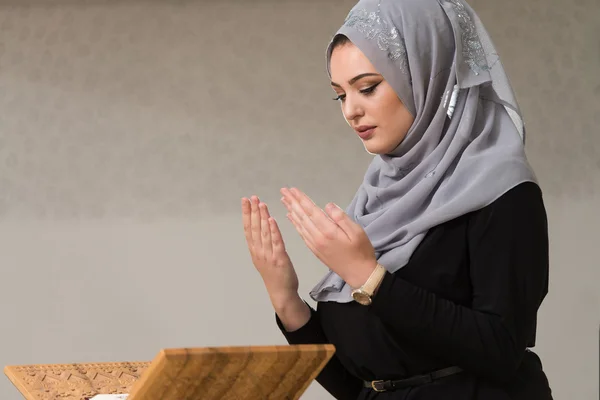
472, 49
373, 27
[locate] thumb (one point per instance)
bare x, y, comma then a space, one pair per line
340, 217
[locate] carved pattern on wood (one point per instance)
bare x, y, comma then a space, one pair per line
74, 381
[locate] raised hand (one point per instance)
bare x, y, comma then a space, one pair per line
272, 262
332, 236
267, 250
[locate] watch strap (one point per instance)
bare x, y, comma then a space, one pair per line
374, 280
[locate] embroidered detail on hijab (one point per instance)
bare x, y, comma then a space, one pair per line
473, 52
374, 27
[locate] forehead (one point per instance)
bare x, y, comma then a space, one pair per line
347, 61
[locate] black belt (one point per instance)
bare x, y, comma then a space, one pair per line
384, 386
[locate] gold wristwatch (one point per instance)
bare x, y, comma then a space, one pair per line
364, 294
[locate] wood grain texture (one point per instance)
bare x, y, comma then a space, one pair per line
232, 373
74, 381
218, 373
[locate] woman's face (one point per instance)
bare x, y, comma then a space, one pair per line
369, 104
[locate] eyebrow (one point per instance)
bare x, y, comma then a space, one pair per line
357, 77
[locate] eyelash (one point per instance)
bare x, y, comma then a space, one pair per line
367, 91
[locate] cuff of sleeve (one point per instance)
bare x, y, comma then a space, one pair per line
309, 333
402, 304
386, 296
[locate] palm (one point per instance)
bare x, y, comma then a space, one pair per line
267, 249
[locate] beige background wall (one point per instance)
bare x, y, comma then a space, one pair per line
129, 130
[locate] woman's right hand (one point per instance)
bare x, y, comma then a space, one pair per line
272, 262
268, 253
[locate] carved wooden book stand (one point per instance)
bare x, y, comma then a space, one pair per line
217, 373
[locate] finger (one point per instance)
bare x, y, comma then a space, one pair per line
293, 205
315, 219
265, 230
298, 228
300, 201
302, 222
341, 219
303, 234
246, 211
294, 212
286, 202
299, 225
276, 238
255, 222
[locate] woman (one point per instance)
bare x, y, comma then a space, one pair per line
440, 262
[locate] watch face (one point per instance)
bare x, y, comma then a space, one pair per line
361, 298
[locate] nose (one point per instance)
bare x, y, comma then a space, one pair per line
352, 108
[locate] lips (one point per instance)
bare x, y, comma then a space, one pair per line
365, 131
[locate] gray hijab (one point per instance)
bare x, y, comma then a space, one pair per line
466, 146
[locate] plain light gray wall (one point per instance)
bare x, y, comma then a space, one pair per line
129, 131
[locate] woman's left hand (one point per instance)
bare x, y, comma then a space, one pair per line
340, 243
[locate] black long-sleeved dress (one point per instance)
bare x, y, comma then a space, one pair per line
468, 297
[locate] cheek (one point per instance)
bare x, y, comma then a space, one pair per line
391, 111
396, 118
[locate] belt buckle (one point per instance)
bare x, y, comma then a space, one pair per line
375, 387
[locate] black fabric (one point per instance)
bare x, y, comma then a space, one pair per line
468, 297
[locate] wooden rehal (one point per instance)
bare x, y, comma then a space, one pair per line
219, 373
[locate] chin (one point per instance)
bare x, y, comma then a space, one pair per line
375, 148
381, 145
371, 152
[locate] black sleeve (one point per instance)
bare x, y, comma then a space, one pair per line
508, 256
334, 377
